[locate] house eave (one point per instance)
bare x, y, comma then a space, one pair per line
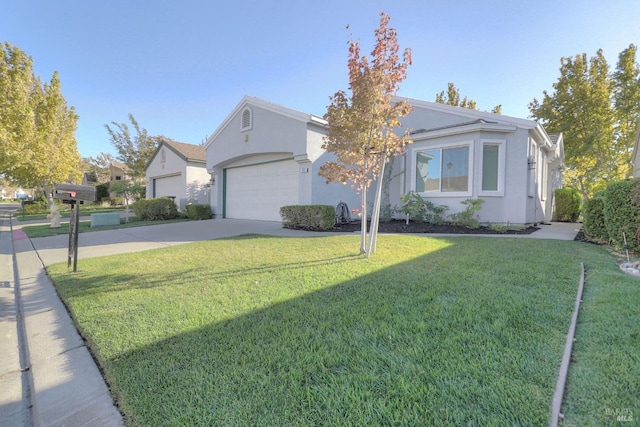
473, 127
470, 114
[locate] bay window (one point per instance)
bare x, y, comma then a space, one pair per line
443, 170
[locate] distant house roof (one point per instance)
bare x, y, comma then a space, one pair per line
119, 165
188, 152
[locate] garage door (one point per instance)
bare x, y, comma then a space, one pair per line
258, 191
169, 186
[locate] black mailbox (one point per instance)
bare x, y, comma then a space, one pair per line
75, 193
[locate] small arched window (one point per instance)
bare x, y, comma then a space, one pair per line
247, 119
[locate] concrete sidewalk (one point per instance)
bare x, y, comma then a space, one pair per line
47, 376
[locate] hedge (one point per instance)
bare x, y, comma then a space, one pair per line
155, 209
594, 224
622, 213
196, 211
308, 217
567, 204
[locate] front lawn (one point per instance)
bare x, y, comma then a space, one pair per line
283, 331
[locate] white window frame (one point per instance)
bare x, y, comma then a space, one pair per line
532, 169
457, 144
543, 175
242, 125
502, 163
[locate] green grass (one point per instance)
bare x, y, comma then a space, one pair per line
65, 212
604, 377
45, 230
274, 331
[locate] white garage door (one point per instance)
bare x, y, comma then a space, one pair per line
259, 191
168, 186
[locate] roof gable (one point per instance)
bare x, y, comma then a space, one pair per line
187, 152
251, 101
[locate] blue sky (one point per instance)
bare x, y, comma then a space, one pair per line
180, 67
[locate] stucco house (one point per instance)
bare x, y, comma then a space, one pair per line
178, 170
264, 156
119, 171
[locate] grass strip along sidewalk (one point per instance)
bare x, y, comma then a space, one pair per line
45, 230
430, 331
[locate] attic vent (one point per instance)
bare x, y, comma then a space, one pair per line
247, 119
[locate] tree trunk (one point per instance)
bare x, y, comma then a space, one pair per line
375, 215
363, 222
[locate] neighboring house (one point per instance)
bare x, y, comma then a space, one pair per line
178, 170
89, 178
264, 156
119, 172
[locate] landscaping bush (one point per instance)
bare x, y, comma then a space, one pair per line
112, 201
468, 217
421, 210
31, 207
594, 224
568, 203
622, 213
199, 212
155, 209
414, 207
308, 217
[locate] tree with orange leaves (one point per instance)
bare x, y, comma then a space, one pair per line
361, 127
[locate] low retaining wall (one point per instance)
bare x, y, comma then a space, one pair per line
102, 219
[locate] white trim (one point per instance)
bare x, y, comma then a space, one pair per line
429, 194
502, 156
457, 130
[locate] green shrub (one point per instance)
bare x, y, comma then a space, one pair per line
568, 202
112, 201
437, 214
414, 207
199, 212
498, 228
420, 210
155, 209
31, 207
594, 224
468, 217
622, 213
308, 217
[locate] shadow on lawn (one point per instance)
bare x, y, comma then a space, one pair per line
421, 342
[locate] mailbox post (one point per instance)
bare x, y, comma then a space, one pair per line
74, 195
